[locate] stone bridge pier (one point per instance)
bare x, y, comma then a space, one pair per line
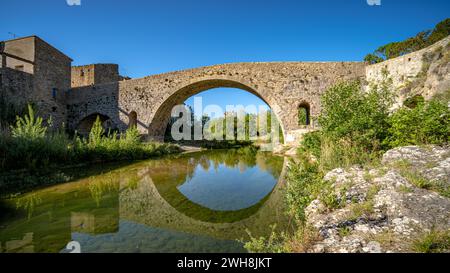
148, 102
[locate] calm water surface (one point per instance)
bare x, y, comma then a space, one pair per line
199, 202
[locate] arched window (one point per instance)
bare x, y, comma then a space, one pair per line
304, 114
132, 119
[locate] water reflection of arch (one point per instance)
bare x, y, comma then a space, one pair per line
147, 206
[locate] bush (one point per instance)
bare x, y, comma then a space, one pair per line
427, 123
304, 184
354, 124
433, 242
29, 127
349, 112
30, 146
311, 143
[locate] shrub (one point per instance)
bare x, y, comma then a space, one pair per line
343, 153
349, 112
311, 143
30, 146
414, 101
427, 123
273, 244
29, 127
433, 242
304, 184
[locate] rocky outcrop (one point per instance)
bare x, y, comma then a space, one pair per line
424, 72
385, 208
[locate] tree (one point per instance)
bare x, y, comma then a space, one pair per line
420, 41
373, 59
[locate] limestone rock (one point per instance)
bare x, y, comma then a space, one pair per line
389, 219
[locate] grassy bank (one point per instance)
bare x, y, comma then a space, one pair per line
357, 127
30, 154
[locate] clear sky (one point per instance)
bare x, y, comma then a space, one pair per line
156, 36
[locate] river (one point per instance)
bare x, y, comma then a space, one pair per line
198, 202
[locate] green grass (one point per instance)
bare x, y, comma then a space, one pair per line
31, 146
433, 242
32, 156
414, 177
356, 129
358, 210
344, 231
366, 208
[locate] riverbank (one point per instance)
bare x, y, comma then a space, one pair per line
373, 179
32, 157
400, 205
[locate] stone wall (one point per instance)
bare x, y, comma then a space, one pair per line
99, 90
35, 72
94, 74
16, 88
425, 72
24, 50
90, 101
283, 86
51, 82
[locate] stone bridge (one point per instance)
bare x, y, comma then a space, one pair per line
148, 102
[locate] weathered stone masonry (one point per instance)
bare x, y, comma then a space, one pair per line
34, 71
99, 90
283, 86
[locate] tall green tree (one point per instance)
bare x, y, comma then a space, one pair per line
420, 41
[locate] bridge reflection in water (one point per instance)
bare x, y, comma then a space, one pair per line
199, 202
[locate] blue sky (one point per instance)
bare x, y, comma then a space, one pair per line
149, 37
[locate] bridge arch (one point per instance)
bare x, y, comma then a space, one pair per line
162, 115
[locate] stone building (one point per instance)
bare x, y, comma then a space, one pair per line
94, 74
32, 71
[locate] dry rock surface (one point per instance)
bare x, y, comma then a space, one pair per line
384, 208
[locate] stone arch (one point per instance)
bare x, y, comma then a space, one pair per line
132, 119
84, 126
304, 114
161, 117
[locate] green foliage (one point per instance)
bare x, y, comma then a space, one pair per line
414, 101
427, 123
354, 124
344, 231
420, 41
215, 129
359, 210
311, 143
303, 116
417, 179
441, 31
373, 59
32, 147
433, 242
304, 184
96, 133
300, 241
273, 244
29, 126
